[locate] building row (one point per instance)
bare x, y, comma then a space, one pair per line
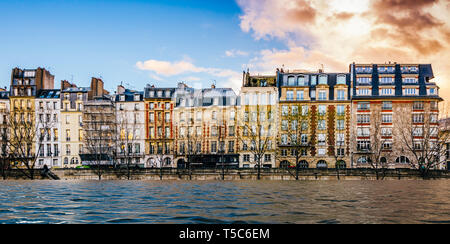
292, 118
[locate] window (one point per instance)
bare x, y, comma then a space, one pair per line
68, 135
231, 146
386, 91
294, 109
402, 160
246, 158
341, 79
284, 139
386, 80
289, 95
409, 91
363, 145
418, 118
213, 146
364, 69
321, 124
410, 80
304, 110
291, 81
363, 131
386, 106
302, 80
230, 130
386, 118
340, 124
432, 91
363, 106
340, 110
363, 91
364, 80
284, 110
433, 105
418, 105
300, 95
321, 152
323, 80
386, 131
152, 117
322, 109
341, 95
322, 95
321, 139
167, 117
363, 160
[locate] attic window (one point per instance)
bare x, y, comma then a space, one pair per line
137, 97
122, 98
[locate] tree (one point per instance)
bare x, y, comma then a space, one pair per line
99, 134
24, 132
420, 137
126, 137
295, 134
258, 133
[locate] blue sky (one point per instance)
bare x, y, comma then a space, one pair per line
84, 39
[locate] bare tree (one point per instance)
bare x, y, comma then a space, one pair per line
4, 154
258, 134
420, 137
24, 132
380, 145
99, 134
125, 139
295, 128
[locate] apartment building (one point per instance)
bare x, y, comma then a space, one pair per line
257, 121
395, 113
49, 128
314, 119
130, 138
159, 134
71, 123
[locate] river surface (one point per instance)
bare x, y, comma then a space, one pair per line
216, 202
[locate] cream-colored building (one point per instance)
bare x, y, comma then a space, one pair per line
72, 102
257, 121
205, 125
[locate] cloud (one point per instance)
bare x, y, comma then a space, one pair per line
336, 33
228, 78
235, 53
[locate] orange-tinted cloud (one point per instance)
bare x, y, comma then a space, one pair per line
338, 32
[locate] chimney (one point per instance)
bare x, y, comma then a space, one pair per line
213, 86
120, 89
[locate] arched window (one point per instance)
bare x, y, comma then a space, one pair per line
167, 162
383, 160
291, 81
302, 81
341, 164
363, 160
285, 164
181, 164
322, 164
402, 160
303, 164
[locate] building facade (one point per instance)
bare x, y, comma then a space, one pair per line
314, 119
395, 114
71, 123
159, 134
130, 112
257, 121
49, 128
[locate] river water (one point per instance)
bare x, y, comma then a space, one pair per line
200, 202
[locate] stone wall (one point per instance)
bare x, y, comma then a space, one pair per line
234, 174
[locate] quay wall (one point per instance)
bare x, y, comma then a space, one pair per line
231, 174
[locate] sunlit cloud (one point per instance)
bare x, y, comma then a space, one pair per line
225, 77
336, 33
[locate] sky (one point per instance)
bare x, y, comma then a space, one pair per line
203, 42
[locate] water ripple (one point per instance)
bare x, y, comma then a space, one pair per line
217, 202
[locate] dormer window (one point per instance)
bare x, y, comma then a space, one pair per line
151, 93
137, 97
291, 81
122, 98
323, 80
341, 80
167, 93
302, 80
159, 93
